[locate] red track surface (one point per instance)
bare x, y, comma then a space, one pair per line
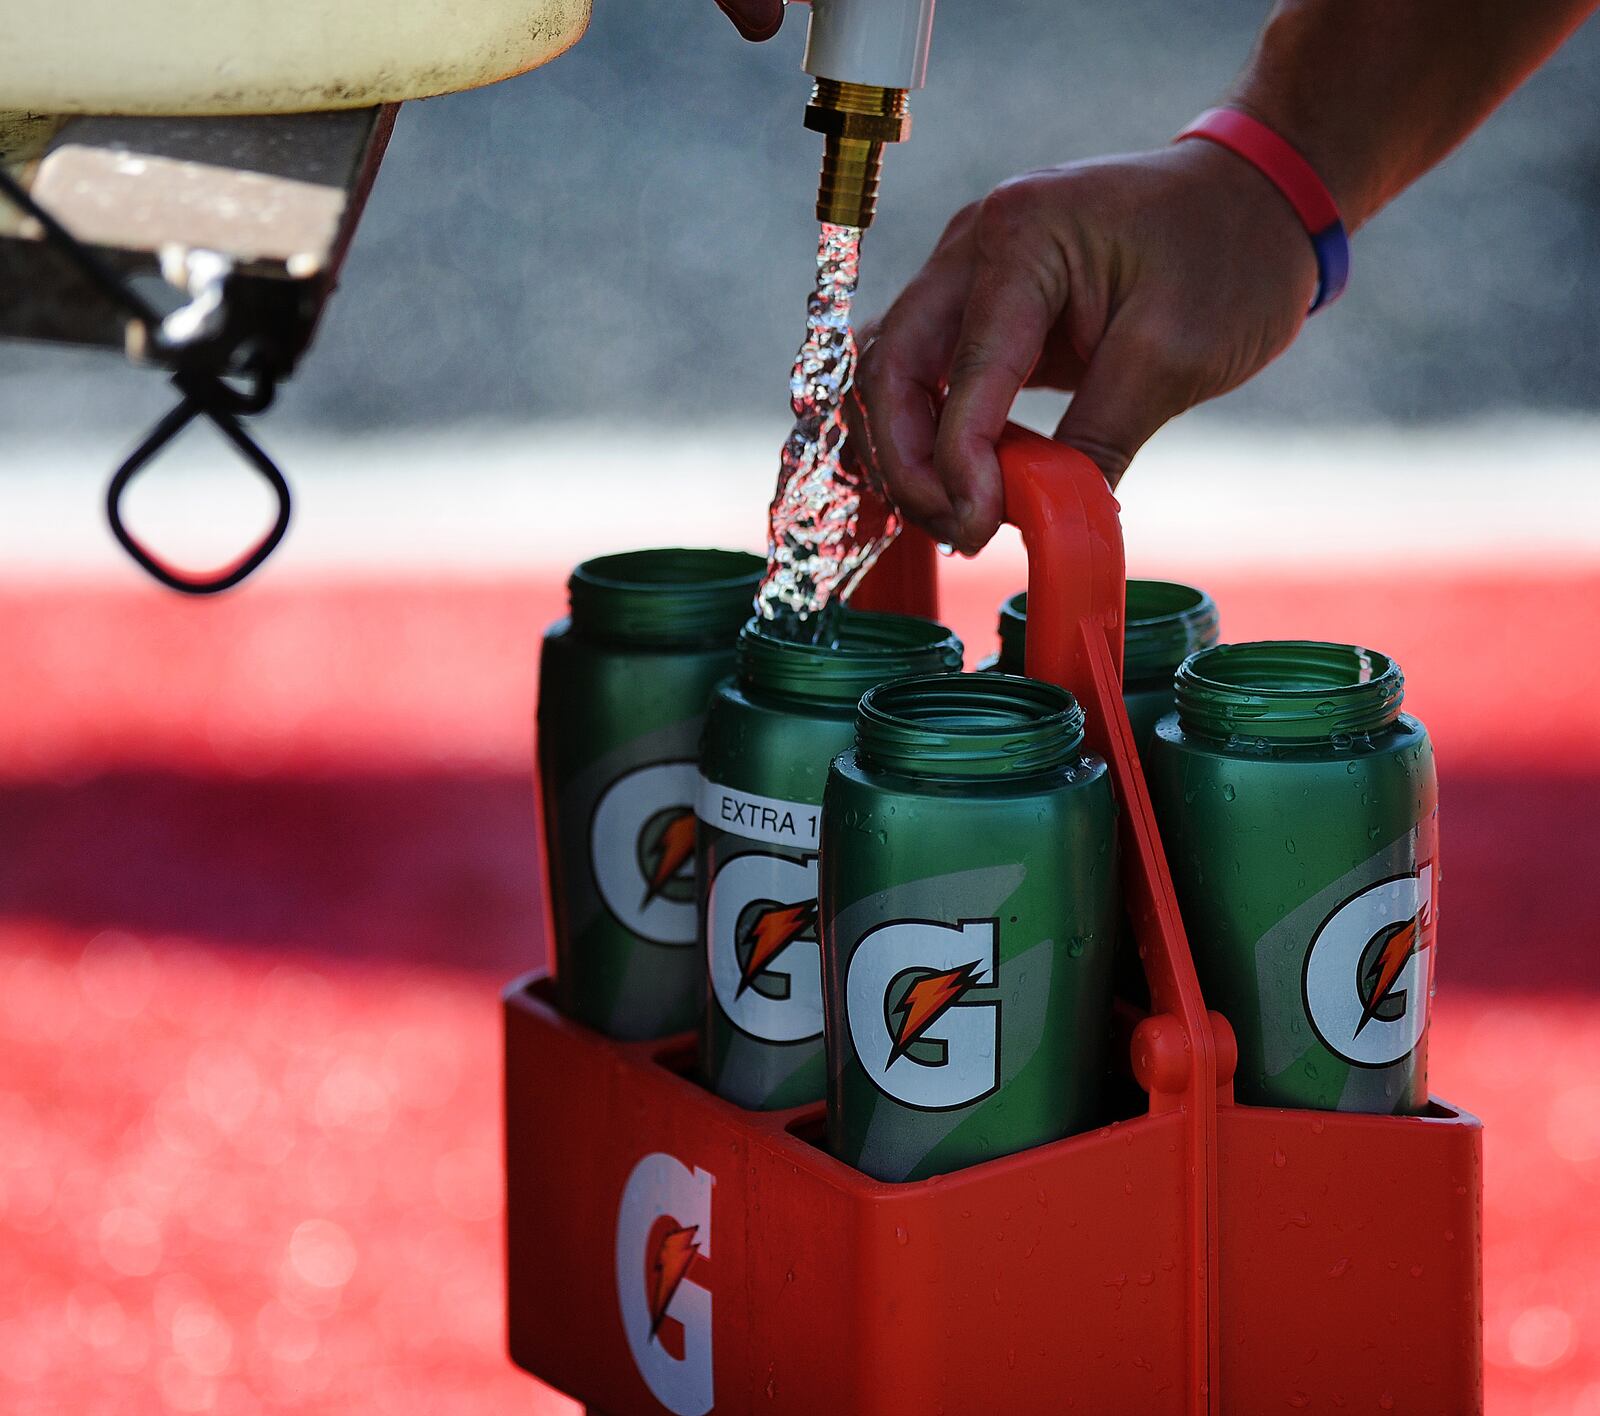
264, 862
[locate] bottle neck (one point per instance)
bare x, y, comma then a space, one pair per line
1288, 692
869, 649
963, 727
1164, 623
665, 599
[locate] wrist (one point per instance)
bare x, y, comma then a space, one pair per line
1296, 182
1290, 87
1311, 140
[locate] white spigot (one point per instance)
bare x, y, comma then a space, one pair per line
866, 56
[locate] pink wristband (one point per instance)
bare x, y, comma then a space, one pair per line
1296, 179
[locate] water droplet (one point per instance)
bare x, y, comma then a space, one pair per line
900, 1235
1289, 846
1279, 1159
1227, 791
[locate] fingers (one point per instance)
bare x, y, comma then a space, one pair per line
901, 377
754, 19
1136, 382
1019, 289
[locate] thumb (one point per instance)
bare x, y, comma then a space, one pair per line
1130, 388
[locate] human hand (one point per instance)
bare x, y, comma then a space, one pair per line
754, 19
1145, 283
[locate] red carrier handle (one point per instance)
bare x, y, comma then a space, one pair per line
1183, 1056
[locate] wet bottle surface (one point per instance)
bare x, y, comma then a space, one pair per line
969, 913
1164, 623
1299, 810
623, 688
771, 733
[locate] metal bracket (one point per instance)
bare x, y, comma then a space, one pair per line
249, 217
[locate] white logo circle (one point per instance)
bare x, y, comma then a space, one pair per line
774, 991
641, 848
662, 1186
1368, 972
904, 995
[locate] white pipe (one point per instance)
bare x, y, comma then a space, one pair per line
879, 42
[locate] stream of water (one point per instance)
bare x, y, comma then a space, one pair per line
829, 521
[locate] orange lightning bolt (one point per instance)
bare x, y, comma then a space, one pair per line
1397, 948
770, 935
674, 1254
675, 846
927, 1000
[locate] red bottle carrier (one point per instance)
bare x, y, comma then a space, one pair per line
1200, 1257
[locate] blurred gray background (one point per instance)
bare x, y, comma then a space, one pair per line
628, 232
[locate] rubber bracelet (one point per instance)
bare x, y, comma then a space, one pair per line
1292, 175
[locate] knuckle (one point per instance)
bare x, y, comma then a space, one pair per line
870, 364
1004, 216
880, 364
972, 357
919, 495
959, 225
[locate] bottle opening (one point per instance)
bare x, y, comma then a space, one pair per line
676, 598
869, 649
1288, 691
1164, 623
961, 726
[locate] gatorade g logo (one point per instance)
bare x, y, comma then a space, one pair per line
761, 933
922, 1040
1368, 971
663, 1239
641, 848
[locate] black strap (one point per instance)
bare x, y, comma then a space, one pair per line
203, 394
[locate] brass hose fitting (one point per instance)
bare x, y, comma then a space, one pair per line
856, 120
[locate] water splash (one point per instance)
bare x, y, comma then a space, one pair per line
830, 521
